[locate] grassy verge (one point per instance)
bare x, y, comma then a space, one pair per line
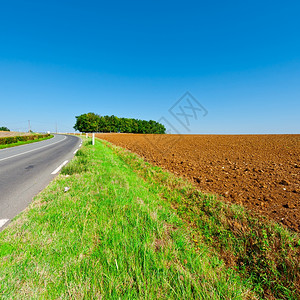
257, 248
25, 142
110, 236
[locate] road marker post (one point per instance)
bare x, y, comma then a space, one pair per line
93, 138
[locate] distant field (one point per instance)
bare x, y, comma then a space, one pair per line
261, 172
12, 133
10, 139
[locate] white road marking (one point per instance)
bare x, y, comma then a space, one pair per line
58, 169
32, 150
3, 222
75, 151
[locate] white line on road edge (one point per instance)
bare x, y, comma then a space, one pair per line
3, 221
75, 151
58, 169
32, 150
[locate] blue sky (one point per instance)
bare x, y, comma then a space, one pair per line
239, 59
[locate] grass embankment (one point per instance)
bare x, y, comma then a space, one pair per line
110, 236
257, 248
7, 142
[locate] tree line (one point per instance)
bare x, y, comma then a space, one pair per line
92, 122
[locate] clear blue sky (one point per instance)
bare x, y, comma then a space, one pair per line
239, 59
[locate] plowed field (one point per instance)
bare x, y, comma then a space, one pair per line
261, 172
12, 133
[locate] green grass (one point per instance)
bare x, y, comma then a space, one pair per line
257, 248
111, 236
25, 142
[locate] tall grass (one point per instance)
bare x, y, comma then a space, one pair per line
254, 246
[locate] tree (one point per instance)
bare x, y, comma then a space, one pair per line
94, 123
3, 128
87, 123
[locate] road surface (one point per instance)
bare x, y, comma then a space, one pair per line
26, 170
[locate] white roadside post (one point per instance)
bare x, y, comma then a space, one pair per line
86, 135
93, 138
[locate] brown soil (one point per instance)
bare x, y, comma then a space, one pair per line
12, 133
261, 172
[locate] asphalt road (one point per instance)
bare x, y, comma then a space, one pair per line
26, 170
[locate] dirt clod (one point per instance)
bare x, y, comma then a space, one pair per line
283, 182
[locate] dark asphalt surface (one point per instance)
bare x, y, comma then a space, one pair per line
26, 170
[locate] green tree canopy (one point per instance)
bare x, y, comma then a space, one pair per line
94, 123
3, 128
87, 122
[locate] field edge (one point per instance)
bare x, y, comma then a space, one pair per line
19, 143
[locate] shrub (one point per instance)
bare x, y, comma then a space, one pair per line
15, 139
